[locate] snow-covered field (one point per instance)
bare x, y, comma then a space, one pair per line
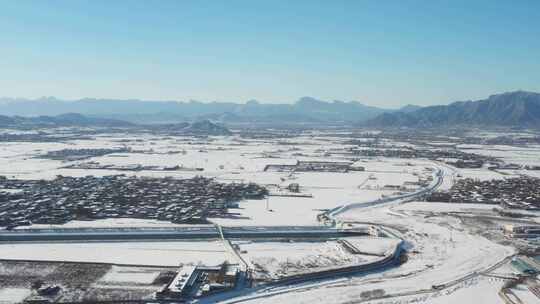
13, 295
135, 253
109, 223
134, 275
520, 155
480, 290
273, 260
441, 249
230, 159
444, 207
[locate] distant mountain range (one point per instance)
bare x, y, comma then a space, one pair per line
202, 127
512, 109
519, 109
306, 109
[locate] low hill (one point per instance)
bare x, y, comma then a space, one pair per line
63, 120
306, 109
199, 127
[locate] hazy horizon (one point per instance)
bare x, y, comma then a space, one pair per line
60, 99
380, 54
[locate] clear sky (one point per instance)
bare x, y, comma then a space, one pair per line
382, 53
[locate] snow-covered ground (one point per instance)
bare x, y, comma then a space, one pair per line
134, 253
444, 207
441, 249
375, 246
109, 223
135, 275
522, 155
438, 244
480, 290
272, 260
13, 295
230, 159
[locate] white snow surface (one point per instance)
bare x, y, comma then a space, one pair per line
131, 253
137, 275
13, 295
281, 259
441, 250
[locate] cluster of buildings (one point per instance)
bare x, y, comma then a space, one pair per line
198, 281
79, 154
522, 231
40, 137
315, 166
85, 198
520, 192
512, 140
459, 158
512, 166
25, 137
130, 167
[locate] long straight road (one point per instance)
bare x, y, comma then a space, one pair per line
181, 233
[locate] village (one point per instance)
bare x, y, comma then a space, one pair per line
516, 193
81, 154
64, 199
454, 157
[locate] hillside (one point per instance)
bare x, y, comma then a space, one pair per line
63, 120
517, 108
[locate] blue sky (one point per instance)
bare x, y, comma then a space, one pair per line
382, 53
